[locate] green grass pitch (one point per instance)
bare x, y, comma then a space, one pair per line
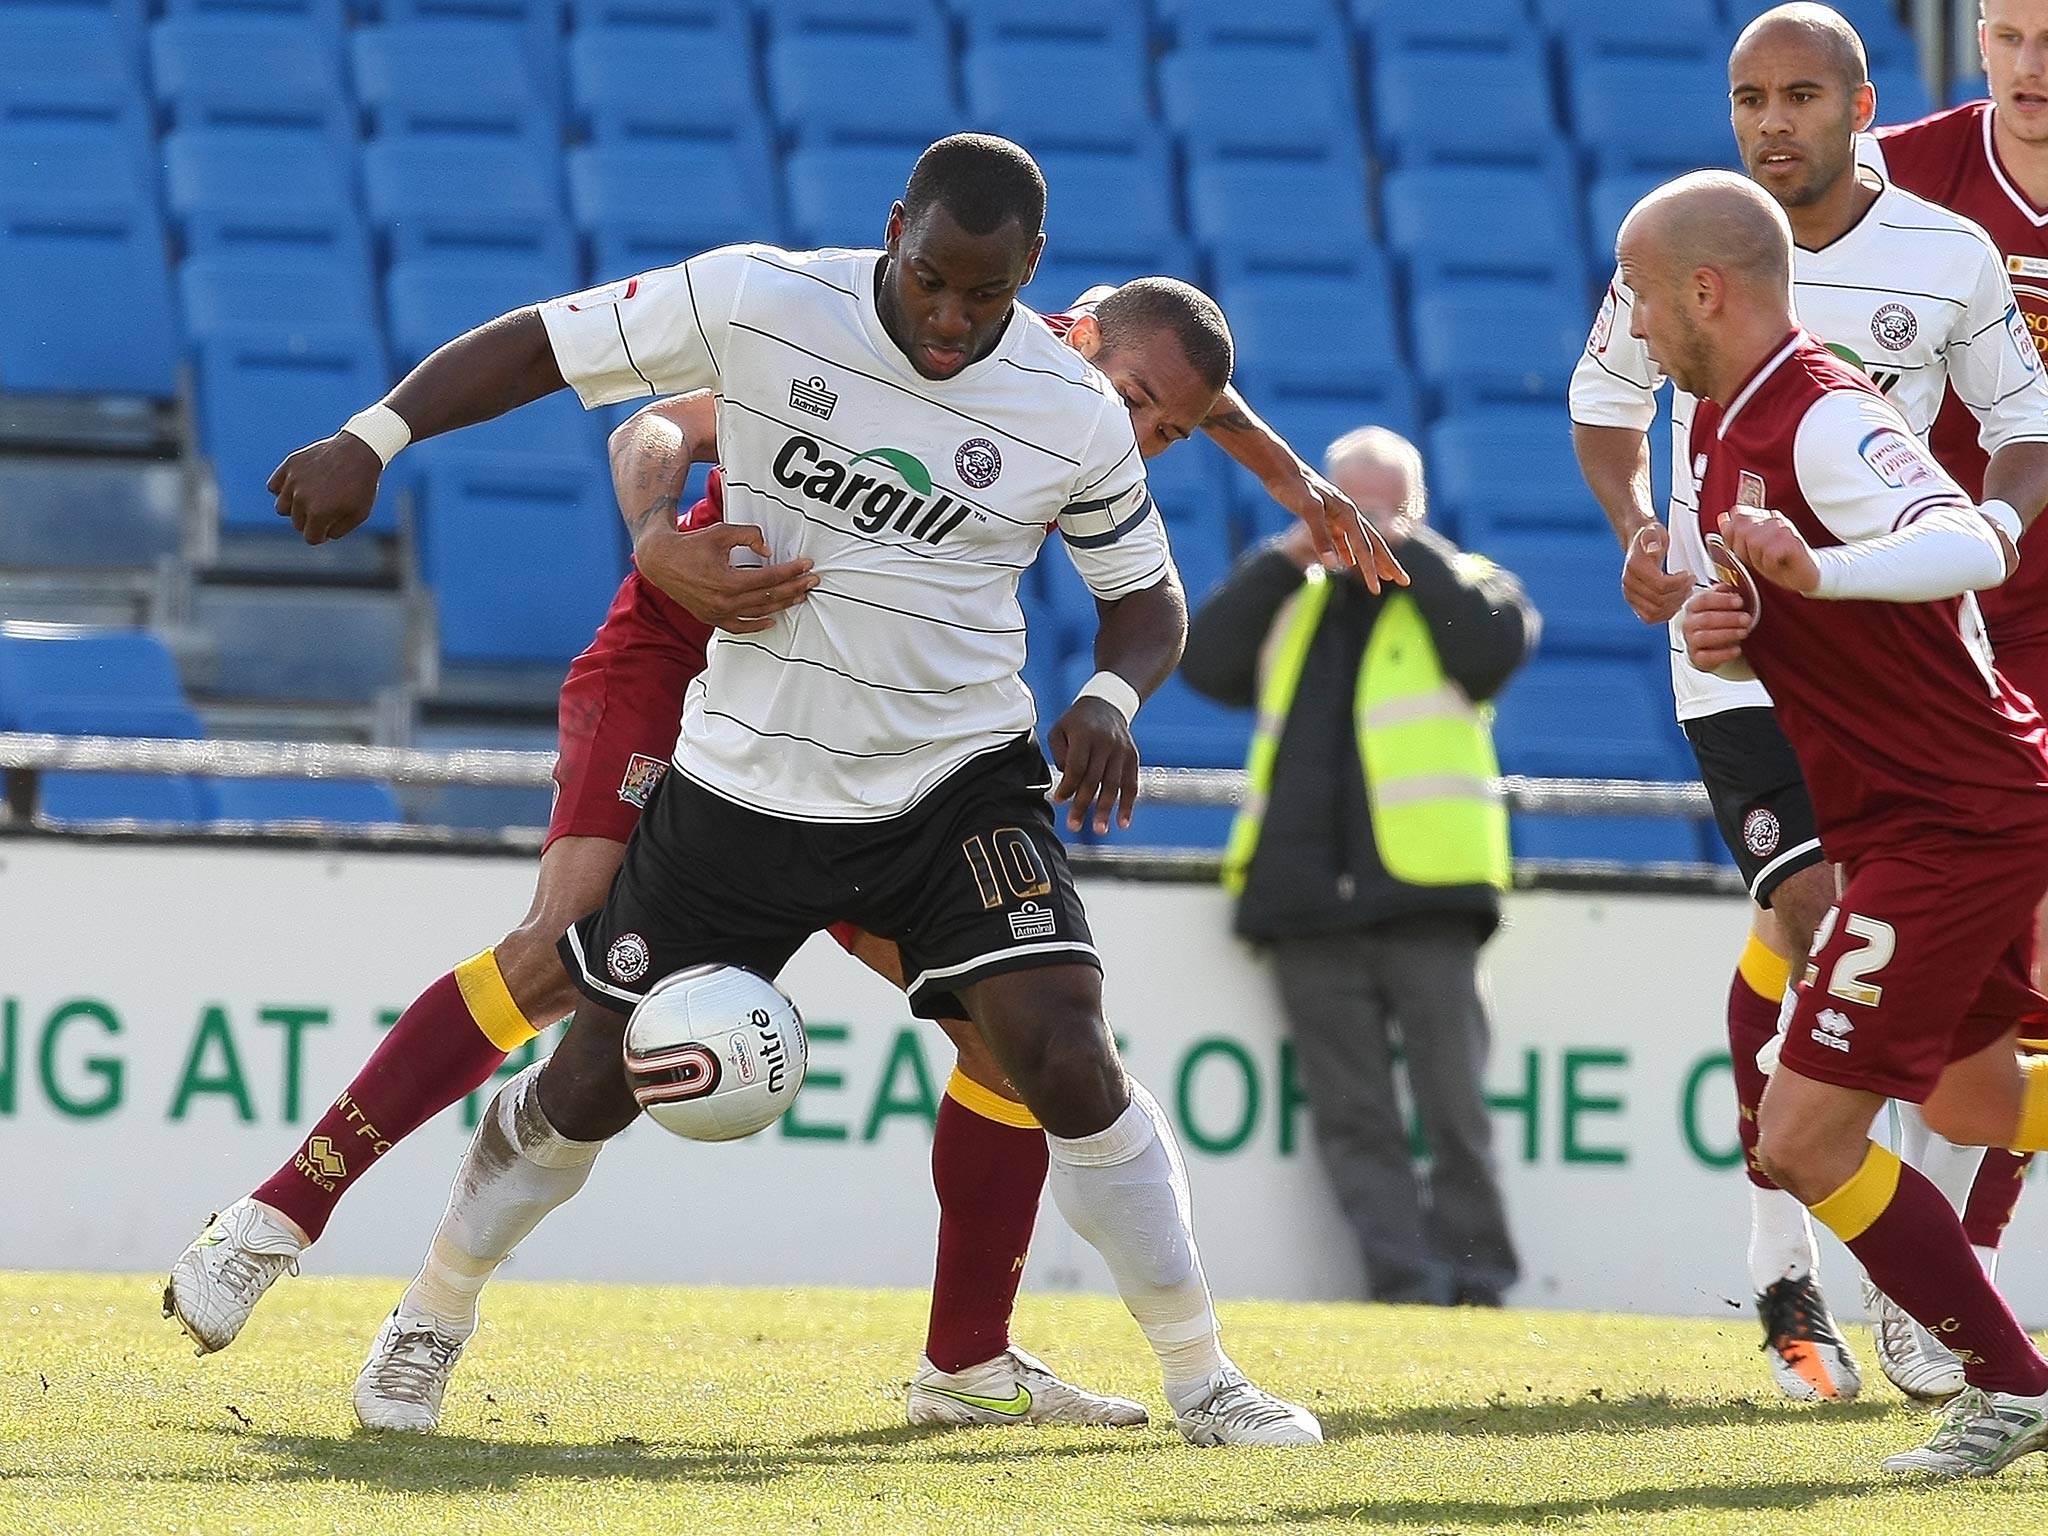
618, 1409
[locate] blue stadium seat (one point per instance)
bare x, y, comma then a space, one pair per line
324, 802
1651, 114
450, 77
300, 643
285, 292
1328, 328
1901, 93
1178, 728
48, 164
1471, 26
1473, 348
656, 81
1201, 549
699, 15
1312, 419
1058, 283
74, 798
1682, 28
1157, 824
125, 340
724, 194
1608, 201
1588, 717
1310, 204
1481, 107
1187, 482
137, 512
66, 65
47, 664
261, 191
467, 194
1022, 64
1276, 98
1574, 579
325, 15
1510, 469
1877, 22
534, 26
1483, 224
268, 71
1301, 24
840, 194
479, 807
489, 523
1606, 839
262, 394
433, 299
860, 74
1110, 202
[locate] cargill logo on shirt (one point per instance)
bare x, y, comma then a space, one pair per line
1883, 378
897, 495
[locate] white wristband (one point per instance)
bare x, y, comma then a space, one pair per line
2002, 516
1113, 691
382, 428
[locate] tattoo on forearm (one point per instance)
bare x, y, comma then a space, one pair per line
650, 494
1229, 419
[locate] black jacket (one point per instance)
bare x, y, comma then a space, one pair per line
1318, 868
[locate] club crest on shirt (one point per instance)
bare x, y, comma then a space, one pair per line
642, 774
1894, 327
1896, 459
978, 463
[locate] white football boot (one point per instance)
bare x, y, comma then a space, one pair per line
1910, 1357
1979, 1433
1013, 1388
400, 1386
1237, 1413
216, 1283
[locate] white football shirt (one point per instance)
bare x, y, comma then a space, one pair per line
1914, 295
922, 502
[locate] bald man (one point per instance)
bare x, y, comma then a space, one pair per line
1917, 298
1845, 555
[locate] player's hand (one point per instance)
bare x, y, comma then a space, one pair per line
1654, 593
1098, 763
328, 488
1770, 546
1343, 535
1716, 623
695, 568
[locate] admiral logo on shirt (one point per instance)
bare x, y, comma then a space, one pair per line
899, 496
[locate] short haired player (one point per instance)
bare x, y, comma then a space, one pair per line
1846, 557
1917, 297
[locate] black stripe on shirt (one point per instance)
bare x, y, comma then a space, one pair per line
1909, 293
865, 682
801, 272
868, 602
754, 730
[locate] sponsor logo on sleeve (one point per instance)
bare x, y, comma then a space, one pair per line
642, 774
1603, 325
1894, 327
1896, 459
2022, 339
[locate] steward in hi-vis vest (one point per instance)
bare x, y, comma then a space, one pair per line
1371, 770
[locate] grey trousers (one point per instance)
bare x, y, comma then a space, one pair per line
1354, 1001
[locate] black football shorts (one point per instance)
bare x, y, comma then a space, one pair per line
1760, 799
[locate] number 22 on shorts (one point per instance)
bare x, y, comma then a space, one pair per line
1846, 980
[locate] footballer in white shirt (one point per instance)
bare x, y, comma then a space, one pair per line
867, 757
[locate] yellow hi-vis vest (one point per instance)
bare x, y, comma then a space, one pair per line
1430, 768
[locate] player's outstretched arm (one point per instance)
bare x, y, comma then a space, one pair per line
328, 488
1138, 639
1342, 536
651, 455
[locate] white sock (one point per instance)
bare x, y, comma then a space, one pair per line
1987, 1260
517, 1169
1125, 1191
1780, 1239
1950, 1168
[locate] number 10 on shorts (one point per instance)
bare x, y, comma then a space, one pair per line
1015, 866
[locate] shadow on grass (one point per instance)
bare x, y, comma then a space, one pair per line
1470, 1514
444, 1463
1644, 1413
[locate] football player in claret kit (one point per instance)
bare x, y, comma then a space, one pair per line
1917, 297
1988, 160
870, 731
1846, 558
